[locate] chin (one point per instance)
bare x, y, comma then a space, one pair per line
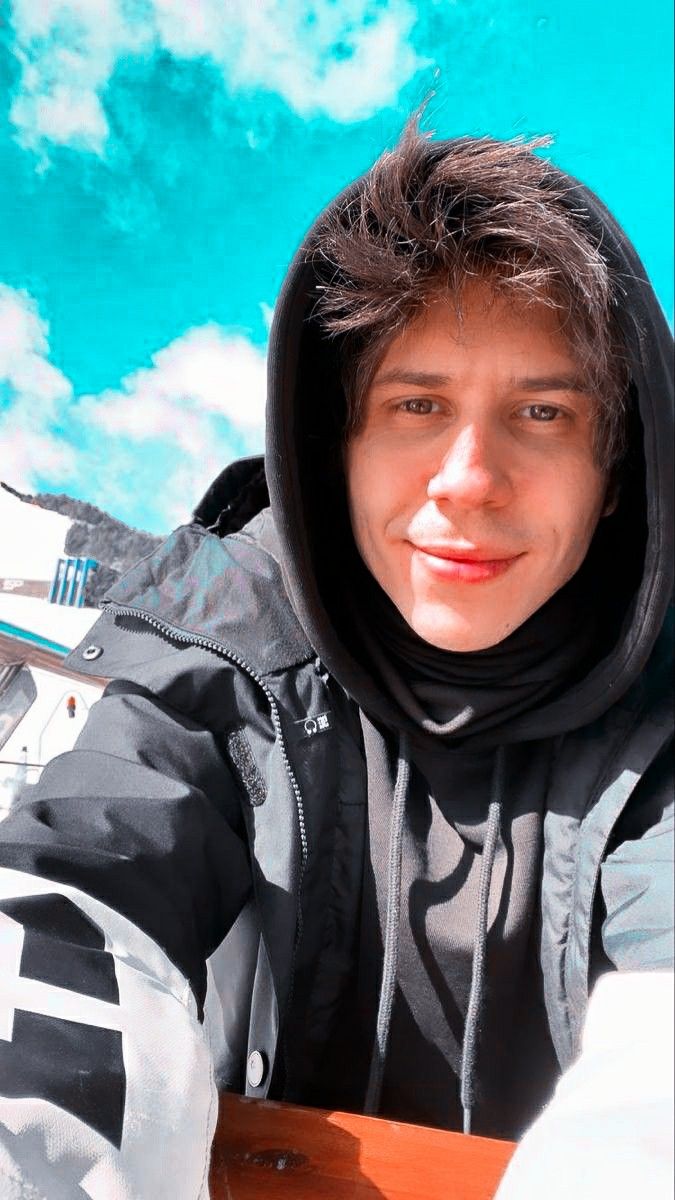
460, 642
459, 636
462, 645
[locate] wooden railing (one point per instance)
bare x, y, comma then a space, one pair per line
269, 1151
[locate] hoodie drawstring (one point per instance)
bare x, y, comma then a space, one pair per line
391, 929
391, 936
470, 1042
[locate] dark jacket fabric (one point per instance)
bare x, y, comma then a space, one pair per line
234, 769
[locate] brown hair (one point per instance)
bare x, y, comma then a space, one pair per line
430, 216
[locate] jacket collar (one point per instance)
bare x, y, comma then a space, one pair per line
228, 591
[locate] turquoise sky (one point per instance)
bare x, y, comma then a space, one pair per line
160, 159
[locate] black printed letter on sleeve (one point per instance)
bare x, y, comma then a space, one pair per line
75, 1065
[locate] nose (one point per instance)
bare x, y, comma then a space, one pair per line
470, 473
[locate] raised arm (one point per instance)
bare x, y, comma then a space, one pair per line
117, 881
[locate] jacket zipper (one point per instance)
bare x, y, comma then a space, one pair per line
196, 639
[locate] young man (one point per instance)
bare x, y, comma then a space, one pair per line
378, 795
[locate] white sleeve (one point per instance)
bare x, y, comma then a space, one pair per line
608, 1130
106, 1087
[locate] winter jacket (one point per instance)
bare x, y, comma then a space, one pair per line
230, 819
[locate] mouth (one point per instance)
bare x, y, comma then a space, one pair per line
463, 564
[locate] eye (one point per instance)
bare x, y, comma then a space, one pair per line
420, 406
541, 413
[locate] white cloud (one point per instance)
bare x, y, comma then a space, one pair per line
204, 395
196, 407
68, 50
342, 60
66, 116
24, 350
37, 394
205, 370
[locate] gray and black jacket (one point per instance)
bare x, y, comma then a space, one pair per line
216, 802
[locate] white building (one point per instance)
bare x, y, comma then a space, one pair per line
43, 704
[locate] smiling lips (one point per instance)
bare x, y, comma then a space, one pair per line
459, 565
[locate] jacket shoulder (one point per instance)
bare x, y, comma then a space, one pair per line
228, 592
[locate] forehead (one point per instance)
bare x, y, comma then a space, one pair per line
493, 330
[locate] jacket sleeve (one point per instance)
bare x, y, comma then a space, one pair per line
636, 878
117, 880
608, 1131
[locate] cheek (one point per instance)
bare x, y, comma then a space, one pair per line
374, 498
361, 497
368, 523
577, 512
595, 505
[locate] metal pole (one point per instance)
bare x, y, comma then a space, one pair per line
56, 581
64, 581
75, 564
80, 583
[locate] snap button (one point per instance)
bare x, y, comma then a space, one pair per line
256, 1068
92, 652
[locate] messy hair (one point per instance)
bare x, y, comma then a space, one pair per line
428, 218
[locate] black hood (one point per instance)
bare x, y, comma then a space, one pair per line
304, 420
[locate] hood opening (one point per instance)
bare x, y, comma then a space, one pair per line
306, 415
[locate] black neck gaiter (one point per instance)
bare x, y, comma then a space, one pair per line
449, 695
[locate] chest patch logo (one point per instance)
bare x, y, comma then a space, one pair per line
308, 727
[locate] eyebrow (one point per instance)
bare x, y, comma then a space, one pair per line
551, 383
526, 383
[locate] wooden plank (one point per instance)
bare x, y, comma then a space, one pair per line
269, 1151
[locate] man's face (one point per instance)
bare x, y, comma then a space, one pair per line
472, 487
